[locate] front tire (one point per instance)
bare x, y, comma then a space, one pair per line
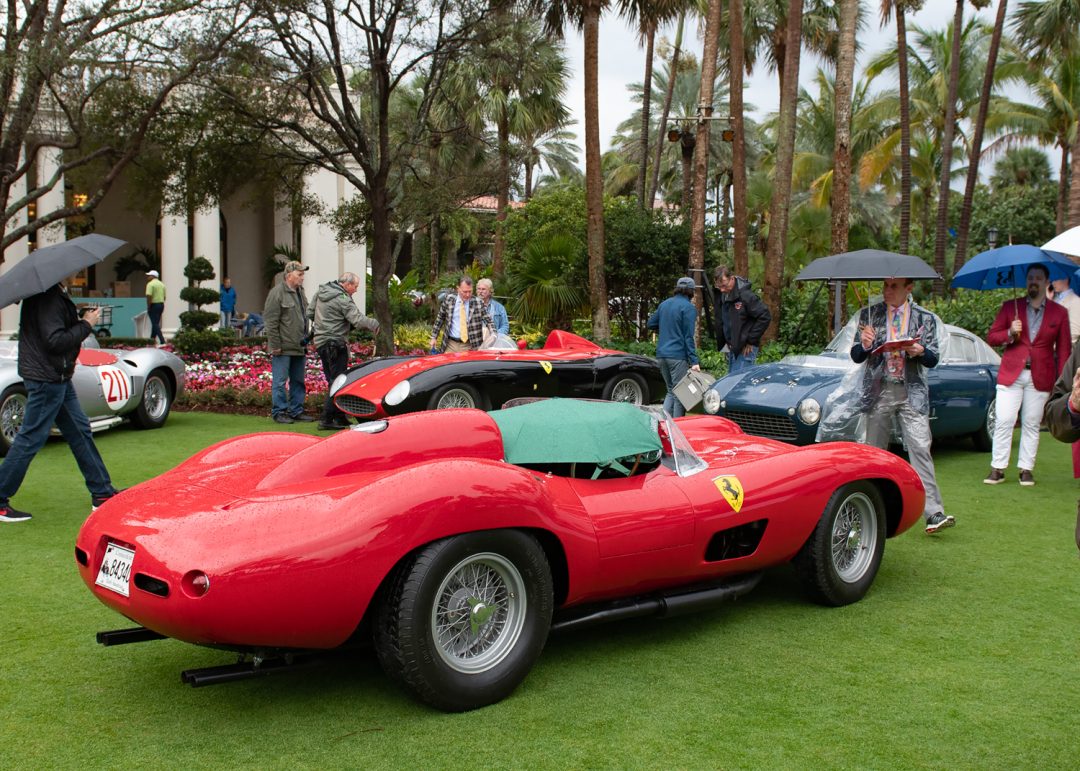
12, 412
984, 437
627, 388
455, 396
156, 402
464, 618
839, 561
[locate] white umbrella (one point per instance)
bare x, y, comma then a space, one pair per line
1066, 243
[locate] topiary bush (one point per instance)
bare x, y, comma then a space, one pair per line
195, 335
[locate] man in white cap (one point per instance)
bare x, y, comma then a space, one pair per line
155, 304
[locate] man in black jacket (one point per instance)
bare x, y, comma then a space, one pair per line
50, 335
741, 318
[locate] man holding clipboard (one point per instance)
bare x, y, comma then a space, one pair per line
898, 340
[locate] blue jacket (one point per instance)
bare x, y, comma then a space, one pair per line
498, 316
228, 299
675, 319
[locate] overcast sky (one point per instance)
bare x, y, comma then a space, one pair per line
622, 62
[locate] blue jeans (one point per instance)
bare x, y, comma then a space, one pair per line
291, 369
673, 370
227, 319
48, 403
742, 361
155, 312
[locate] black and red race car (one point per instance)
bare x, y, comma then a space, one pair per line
567, 366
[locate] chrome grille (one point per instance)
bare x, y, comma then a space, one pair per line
772, 426
354, 405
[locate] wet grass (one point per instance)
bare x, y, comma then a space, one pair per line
963, 655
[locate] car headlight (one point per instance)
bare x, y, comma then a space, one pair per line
397, 394
809, 411
339, 381
710, 400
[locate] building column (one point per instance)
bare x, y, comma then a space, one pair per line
174, 257
207, 242
13, 255
318, 249
354, 256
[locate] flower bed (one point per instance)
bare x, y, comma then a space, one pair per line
239, 377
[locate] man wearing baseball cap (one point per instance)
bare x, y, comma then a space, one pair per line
285, 317
675, 320
155, 304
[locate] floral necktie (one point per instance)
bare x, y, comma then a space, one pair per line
894, 363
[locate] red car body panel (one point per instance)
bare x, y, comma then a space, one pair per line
297, 533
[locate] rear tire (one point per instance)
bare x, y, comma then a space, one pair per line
627, 388
464, 619
12, 412
155, 404
840, 559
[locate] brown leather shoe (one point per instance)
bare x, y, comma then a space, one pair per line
996, 477
1026, 478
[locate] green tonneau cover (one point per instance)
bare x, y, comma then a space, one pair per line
575, 431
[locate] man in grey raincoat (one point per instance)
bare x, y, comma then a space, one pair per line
898, 340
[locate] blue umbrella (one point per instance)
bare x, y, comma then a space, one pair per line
1006, 267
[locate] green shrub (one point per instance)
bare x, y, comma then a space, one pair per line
198, 320
124, 342
197, 295
197, 341
971, 309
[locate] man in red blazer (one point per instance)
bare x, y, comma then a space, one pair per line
1035, 333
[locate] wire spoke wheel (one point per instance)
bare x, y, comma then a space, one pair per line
479, 612
627, 391
12, 414
156, 398
456, 398
853, 536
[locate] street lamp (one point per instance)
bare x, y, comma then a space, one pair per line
992, 236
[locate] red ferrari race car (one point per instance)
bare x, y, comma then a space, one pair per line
457, 540
567, 365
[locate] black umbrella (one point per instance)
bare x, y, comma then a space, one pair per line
44, 268
866, 265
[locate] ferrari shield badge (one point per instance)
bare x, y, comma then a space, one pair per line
731, 488
547, 367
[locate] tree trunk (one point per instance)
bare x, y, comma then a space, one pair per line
662, 133
905, 129
594, 183
738, 144
503, 193
975, 153
701, 141
381, 268
434, 253
646, 101
785, 150
941, 231
840, 203
1063, 189
1074, 183
686, 144
528, 180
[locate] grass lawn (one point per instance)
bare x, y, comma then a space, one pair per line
963, 655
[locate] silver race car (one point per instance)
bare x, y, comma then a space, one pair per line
112, 385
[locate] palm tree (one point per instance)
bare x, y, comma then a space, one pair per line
673, 67
736, 67
900, 7
845, 73
941, 233
1021, 167
519, 76
701, 148
785, 148
585, 15
650, 14
550, 147
975, 150
1047, 29
1054, 117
